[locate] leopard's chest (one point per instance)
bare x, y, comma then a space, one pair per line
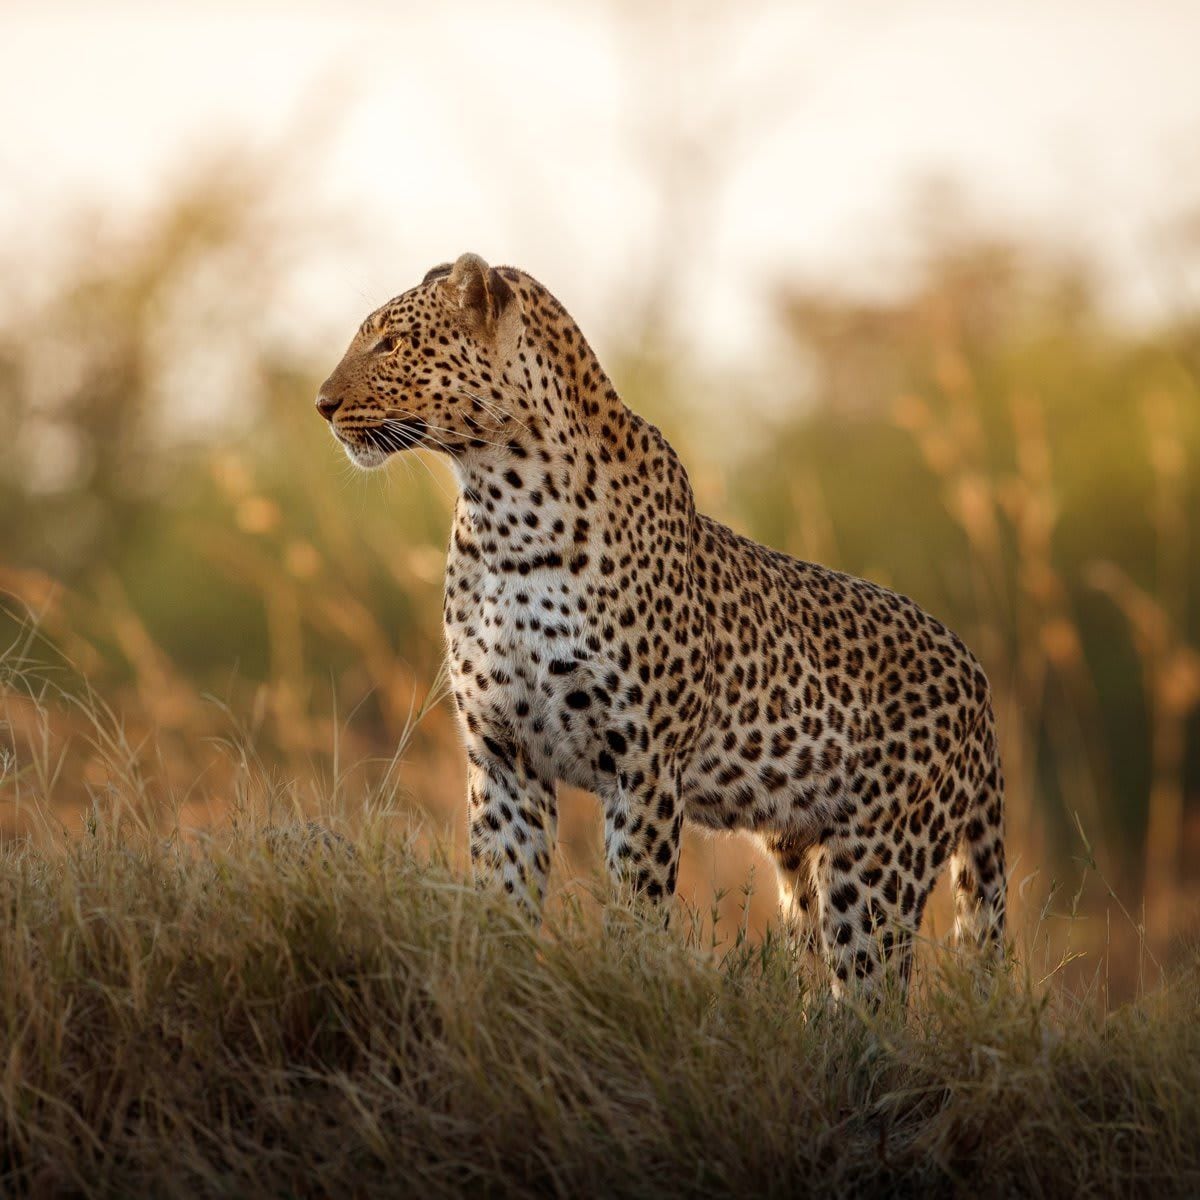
525, 663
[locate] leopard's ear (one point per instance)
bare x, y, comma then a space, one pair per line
482, 293
438, 271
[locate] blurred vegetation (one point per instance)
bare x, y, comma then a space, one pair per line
185, 533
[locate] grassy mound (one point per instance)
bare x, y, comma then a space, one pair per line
293, 1015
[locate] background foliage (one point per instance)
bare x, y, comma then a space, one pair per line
190, 543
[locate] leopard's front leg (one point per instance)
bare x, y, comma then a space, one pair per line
513, 817
643, 820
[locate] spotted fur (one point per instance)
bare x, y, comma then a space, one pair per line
603, 633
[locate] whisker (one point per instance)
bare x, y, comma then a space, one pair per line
489, 409
433, 442
395, 437
428, 433
495, 409
450, 432
441, 487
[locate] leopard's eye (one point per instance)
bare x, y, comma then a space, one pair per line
385, 345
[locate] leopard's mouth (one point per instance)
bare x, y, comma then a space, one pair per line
370, 446
396, 433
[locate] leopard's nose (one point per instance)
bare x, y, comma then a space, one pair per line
327, 405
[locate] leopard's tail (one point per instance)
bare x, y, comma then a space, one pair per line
977, 868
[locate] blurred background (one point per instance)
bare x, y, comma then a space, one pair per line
913, 288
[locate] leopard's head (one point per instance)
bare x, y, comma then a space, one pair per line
431, 368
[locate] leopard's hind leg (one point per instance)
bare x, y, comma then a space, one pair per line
794, 864
977, 866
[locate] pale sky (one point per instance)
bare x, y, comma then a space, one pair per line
741, 143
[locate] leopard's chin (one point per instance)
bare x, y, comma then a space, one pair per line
364, 455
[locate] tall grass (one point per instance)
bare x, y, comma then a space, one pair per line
275, 1013
286, 1006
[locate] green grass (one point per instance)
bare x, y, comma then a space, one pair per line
256, 1015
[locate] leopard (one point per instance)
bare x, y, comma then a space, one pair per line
601, 632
